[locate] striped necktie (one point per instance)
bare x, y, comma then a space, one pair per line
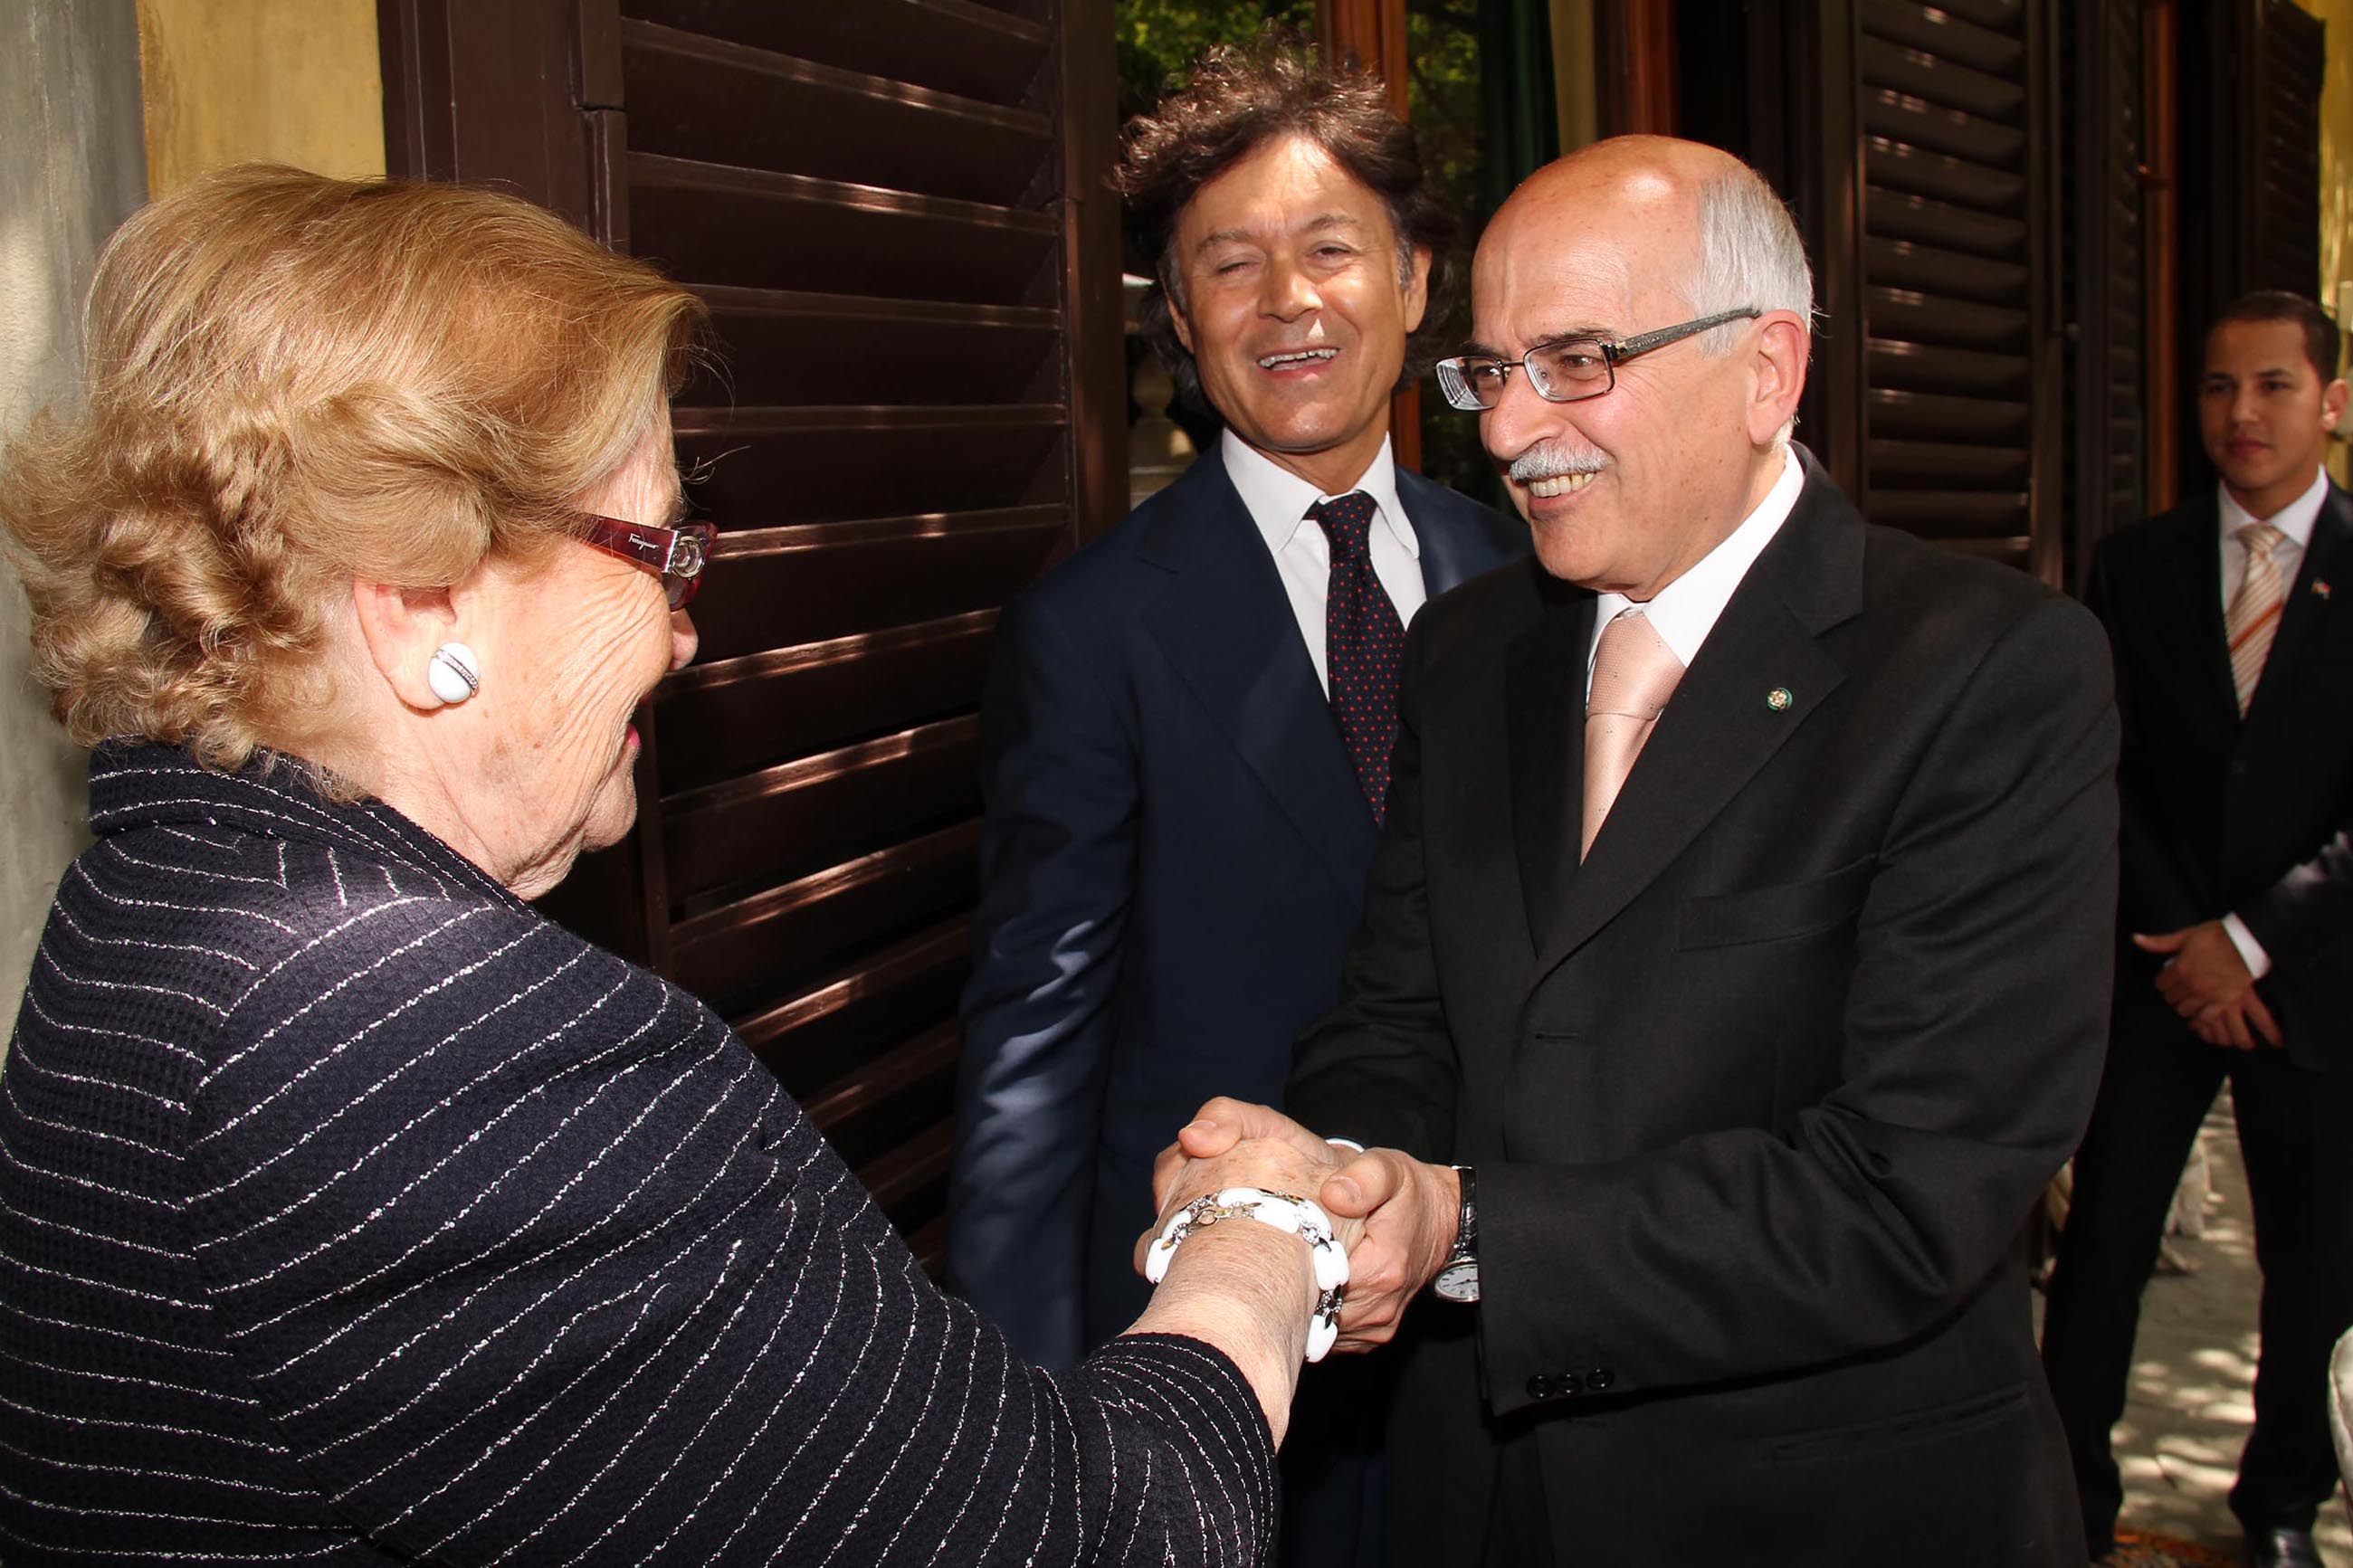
2255, 613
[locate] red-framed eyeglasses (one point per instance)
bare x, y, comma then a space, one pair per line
676, 555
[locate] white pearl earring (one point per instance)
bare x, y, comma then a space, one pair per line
454, 673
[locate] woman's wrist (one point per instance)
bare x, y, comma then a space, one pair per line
1287, 1212
1249, 1290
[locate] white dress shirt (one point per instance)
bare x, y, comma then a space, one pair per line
1278, 499
2295, 520
1684, 611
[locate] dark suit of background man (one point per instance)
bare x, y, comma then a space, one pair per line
2234, 670
1757, 1091
1179, 821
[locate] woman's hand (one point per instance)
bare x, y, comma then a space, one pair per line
1241, 1285
1275, 1165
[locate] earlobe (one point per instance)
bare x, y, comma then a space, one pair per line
1780, 374
1417, 293
401, 630
1176, 319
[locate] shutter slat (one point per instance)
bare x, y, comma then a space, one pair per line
950, 45
728, 103
722, 841
1948, 465
829, 694
1959, 180
1911, 316
1953, 514
737, 955
825, 473
816, 1041
1940, 84
1921, 367
1901, 264
1911, 122
1941, 34
1943, 225
1925, 415
764, 229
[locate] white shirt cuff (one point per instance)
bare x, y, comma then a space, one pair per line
2251, 952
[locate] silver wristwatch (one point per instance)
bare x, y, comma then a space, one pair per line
1458, 1278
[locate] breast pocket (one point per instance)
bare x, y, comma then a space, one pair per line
1777, 913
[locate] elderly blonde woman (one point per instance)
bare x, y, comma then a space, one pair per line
350, 1212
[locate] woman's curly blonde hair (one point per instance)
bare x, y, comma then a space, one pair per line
293, 381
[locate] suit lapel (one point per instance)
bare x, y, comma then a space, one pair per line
1543, 696
2198, 605
1453, 546
1227, 628
1727, 718
2325, 558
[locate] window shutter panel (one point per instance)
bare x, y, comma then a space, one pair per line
2280, 159
2108, 484
1933, 231
895, 211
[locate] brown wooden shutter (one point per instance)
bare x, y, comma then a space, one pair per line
2279, 152
894, 210
1926, 196
2107, 487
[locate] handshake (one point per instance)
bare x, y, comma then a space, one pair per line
1396, 1215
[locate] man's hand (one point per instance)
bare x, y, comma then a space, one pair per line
2206, 982
1409, 1210
1412, 1210
1237, 1145
1221, 1124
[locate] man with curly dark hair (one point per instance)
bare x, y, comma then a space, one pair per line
1187, 725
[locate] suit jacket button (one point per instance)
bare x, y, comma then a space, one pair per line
1569, 1382
1539, 1387
1600, 1378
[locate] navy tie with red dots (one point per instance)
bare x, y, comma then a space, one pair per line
1364, 645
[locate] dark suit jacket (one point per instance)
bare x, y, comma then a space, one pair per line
1758, 1094
2223, 815
1172, 858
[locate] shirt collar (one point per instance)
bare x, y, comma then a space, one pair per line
2295, 520
1685, 610
1278, 499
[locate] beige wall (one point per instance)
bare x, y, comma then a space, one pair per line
1576, 73
292, 81
101, 99
70, 169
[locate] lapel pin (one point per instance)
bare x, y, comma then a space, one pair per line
1779, 699
2320, 587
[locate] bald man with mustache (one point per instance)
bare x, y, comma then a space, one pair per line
1734, 966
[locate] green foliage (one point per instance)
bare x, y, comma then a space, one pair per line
1160, 40
1443, 102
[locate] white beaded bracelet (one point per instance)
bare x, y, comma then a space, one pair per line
1291, 1214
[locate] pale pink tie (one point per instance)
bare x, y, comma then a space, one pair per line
2252, 619
1634, 673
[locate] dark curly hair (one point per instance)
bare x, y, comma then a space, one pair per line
1239, 100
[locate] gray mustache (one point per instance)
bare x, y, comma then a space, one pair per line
1550, 462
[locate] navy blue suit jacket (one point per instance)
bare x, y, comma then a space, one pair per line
1172, 858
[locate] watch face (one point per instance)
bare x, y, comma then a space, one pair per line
1458, 1281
